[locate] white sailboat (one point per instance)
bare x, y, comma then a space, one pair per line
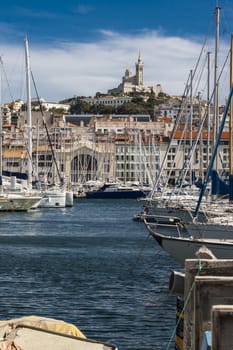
11, 198
219, 225
218, 237
217, 233
182, 248
18, 201
51, 198
178, 204
179, 200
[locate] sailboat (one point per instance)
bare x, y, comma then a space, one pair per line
217, 233
164, 200
12, 198
55, 197
220, 226
181, 202
182, 248
10, 201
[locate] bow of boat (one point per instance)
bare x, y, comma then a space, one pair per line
153, 232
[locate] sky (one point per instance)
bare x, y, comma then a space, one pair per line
78, 48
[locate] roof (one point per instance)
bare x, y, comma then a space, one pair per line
21, 152
86, 118
180, 134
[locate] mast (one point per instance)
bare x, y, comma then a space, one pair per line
1, 134
231, 126
211, 164
208, 106
216, 111
29, 116
191, 127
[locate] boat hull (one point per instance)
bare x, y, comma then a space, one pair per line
116, 195
182, 248
18, 202
53, 200
35, 332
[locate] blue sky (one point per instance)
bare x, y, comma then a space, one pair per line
81, 47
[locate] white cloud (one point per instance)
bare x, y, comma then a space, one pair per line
84, 68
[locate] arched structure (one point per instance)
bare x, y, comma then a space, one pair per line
91, 162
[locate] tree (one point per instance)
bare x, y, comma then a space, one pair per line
102, 109
80, 107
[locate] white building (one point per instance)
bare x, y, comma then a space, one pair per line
108, 100
47, 106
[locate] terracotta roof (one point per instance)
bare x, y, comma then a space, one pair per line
186, 135
22, 153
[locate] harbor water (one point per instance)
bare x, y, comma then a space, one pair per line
90, 265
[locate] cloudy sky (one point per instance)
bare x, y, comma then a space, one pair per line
83, 47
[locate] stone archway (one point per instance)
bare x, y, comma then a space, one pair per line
83, 168
92, 162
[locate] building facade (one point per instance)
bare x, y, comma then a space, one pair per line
111, 148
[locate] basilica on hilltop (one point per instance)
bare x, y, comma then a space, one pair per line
135, 83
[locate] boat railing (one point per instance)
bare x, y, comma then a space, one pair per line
164, 222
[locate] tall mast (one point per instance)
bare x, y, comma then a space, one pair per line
208, 107
231, 109
29, 116
191, 126
231, 126
216, 112
1, 134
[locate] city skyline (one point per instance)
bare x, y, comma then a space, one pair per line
80, 48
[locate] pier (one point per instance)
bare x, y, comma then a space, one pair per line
205, 306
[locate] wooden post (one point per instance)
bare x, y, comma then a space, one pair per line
194, 269
209, 291
222, 326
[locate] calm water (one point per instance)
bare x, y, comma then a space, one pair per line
90, 265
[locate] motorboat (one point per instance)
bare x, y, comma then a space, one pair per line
118, 191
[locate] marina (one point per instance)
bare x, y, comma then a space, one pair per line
116, 209
90, 265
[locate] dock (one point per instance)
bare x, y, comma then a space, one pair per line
204, 314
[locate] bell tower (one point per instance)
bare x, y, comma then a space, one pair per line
139, 71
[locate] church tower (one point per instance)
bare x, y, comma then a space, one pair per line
139, 71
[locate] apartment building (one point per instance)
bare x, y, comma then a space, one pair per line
110, 147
